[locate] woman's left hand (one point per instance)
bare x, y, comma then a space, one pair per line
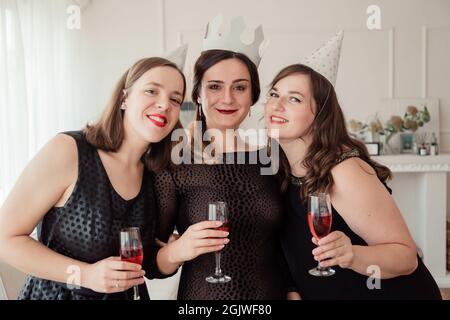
337, 248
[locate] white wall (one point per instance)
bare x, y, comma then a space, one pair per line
116, 33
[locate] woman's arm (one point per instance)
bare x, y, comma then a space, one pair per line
369, 210
167, 204
293, 295
42, 184
198, 239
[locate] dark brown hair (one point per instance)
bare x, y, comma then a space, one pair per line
208, 59
107, 133
330, 137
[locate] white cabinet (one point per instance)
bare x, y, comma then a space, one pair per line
420, 189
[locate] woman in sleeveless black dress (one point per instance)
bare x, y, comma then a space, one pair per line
85, 186
253, 256
369, 246
345, 284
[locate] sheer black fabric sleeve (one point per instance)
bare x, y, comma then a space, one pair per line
149, 264
167, 205
164, 222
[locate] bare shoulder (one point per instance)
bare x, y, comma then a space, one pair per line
63, 144
51, 172
353, 171
59, 155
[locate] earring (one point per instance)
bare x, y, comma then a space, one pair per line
200, 111
124, 105
250, 113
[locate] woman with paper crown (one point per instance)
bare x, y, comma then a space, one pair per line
83, 187
226, 85
368, 233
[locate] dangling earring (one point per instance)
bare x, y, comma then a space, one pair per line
124, 105
200, 111
250, 113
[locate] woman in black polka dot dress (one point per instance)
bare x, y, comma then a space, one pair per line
83, 187
226, 85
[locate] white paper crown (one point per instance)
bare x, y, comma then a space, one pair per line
231, 41
178, 56
325, 60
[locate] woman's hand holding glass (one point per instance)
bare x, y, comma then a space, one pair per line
335, 249
198, 239
112, 275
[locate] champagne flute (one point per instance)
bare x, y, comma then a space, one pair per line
131, 250
319, 221
217, 211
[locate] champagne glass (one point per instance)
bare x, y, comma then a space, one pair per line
217, 211
131, 250
319, 221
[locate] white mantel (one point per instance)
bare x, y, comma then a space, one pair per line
415, 163
420, 189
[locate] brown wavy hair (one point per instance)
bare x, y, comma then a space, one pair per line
107, 133
330, 137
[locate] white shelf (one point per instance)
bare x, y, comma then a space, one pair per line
415, 163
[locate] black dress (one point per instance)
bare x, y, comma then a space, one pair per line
346, 283
87, 227
253, 256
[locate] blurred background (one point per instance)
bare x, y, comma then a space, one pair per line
60, 59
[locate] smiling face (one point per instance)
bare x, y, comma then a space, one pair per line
226, 94
290, 107
153, 104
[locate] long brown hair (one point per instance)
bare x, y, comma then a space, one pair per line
107, 133
207, 60
330, 137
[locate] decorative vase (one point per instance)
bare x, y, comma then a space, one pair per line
385, 144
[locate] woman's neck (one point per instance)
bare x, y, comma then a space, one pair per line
228, 140
295, 151
131, 151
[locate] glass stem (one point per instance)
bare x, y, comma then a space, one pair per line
319, 267
218, 269
136, 293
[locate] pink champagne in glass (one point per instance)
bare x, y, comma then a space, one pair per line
132, 255
217, 211
319, 221
224, 227
131, 250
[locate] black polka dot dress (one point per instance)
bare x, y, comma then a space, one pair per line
87, 227
253, 257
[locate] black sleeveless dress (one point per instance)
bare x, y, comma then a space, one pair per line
345, 284
253, 258
87, 227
